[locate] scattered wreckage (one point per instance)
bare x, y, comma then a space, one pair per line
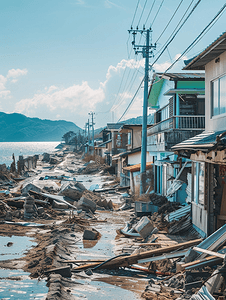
157, 241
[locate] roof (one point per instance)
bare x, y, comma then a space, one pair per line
203, 141
182, 76
136, 167
124, 154
114, 126
103, 144
171, 92
210, 53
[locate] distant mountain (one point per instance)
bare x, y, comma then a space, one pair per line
19, 128
138, 120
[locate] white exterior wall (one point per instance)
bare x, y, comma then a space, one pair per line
199, 218
135, 158
164, 100
213, 71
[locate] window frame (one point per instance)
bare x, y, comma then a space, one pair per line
218, 107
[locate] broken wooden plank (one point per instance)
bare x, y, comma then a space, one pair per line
196, 262
85, 267
164, 256
209, 252
84, 261
134, 258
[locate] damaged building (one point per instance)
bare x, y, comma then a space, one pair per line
207, 151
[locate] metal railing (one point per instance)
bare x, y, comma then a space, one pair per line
189, 122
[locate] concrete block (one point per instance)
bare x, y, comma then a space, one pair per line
90, 234
86, 204
144, 227
69, 191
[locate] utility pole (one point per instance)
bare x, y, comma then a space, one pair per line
147, 53
88, 132
92, 125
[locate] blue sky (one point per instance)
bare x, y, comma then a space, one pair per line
63, 59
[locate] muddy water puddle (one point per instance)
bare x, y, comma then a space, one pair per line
96, 290
16, 284
119, 284
13, 247
102, 248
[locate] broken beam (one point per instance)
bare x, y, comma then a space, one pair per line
133, 258
209, 252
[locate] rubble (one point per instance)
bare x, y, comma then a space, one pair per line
161, 244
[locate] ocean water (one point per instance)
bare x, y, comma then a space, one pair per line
24, 148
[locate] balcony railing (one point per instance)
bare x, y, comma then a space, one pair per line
179, 122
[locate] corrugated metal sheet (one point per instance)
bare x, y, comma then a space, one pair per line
175, 186
179, 213
184, 75
205, 140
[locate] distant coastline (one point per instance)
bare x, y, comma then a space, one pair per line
19, 128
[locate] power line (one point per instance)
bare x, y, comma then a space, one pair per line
176, 26
150, 12
193, 9
131, 27
129, 88
169, 21
157, 13
135, 12
142, 12
198, 37
131, 100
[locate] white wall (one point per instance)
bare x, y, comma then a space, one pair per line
135, 158
213, 71
163, 100
199, 218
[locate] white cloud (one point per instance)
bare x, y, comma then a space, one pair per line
3, 81
76, 98
14, 73
74, 102
52, 88
4, 94
162, 67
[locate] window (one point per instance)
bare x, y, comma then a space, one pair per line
129, 138
198, 182
218, 87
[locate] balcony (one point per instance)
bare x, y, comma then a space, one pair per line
165, 134
178, 123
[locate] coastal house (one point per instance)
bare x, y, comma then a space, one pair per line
179, 103
113, 142
127, 164
208, 150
